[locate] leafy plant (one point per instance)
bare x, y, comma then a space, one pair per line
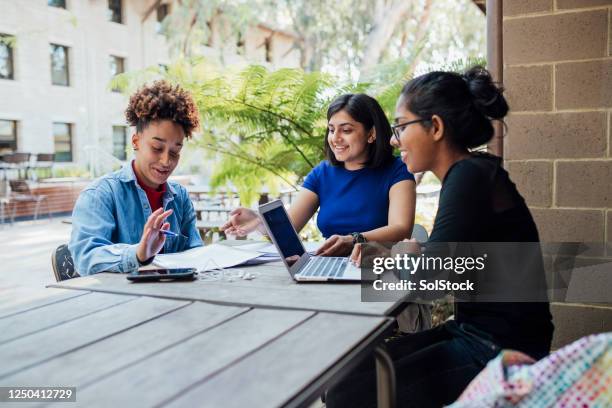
264, 130
266, 127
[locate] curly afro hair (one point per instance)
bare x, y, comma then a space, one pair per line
161, 100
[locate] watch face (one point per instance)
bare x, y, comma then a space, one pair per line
358, 238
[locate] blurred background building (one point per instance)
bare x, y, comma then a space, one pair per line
58, 56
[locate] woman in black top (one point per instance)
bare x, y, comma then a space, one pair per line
439, 117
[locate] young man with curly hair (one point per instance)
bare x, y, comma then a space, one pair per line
118, 219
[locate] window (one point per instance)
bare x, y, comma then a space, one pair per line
6, 56
59, 65
117, 66
119, 142
62, 140
240, 46
8, 136
162, 12
57, 3
268, 46
114, 11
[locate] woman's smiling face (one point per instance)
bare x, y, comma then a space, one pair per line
157, 151
416, 144
348, 140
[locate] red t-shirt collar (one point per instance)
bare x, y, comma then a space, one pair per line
154, 195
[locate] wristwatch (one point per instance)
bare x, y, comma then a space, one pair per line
358, 238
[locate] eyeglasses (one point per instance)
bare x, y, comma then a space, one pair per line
400, 127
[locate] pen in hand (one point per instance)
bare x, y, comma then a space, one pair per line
168, 232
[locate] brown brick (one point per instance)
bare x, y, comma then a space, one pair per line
587, 279
569, 225
574, 4
583, 85
556, 37
533, 180
529, 88
556, 136
584, 184
573, 322
515, 7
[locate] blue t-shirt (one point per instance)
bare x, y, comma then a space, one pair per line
354, 200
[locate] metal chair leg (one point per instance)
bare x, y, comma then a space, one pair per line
13, 213
385, 379
48, 209
36, 209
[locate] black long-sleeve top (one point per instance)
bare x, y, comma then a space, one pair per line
479, 203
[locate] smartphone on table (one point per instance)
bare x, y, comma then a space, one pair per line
152, 275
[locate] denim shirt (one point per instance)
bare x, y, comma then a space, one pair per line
109, 217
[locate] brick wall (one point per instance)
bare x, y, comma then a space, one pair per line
558, 76
59, 199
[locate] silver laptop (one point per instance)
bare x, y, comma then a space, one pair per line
302, 266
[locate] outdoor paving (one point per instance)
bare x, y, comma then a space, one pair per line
25, 260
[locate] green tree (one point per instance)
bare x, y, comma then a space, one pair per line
265, 129
349, 38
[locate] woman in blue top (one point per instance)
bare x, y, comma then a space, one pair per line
362, 191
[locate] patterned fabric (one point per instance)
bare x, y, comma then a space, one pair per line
578, 375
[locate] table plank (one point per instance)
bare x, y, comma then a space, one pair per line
21, 300
41, 346
273, 287
31, 321
169, 372
90, 363
273, 375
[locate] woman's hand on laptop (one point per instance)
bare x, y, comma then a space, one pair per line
355, 257
374, 249
336, 245
243, 221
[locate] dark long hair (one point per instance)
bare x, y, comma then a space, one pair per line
367, 111
466, 103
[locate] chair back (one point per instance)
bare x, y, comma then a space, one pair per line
62, 263
420, 233
16, 158
20, 187
45, 157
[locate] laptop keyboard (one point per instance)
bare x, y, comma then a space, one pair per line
331, 267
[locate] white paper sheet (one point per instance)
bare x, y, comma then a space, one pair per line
206, 258
269, 249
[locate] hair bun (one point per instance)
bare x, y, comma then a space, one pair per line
487, 96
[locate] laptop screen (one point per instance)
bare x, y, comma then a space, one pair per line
288, 242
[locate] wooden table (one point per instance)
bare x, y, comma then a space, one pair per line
272, 288
262, 342
204, 192
202, 209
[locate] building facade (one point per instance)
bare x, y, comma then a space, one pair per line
558, 76
57, 58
